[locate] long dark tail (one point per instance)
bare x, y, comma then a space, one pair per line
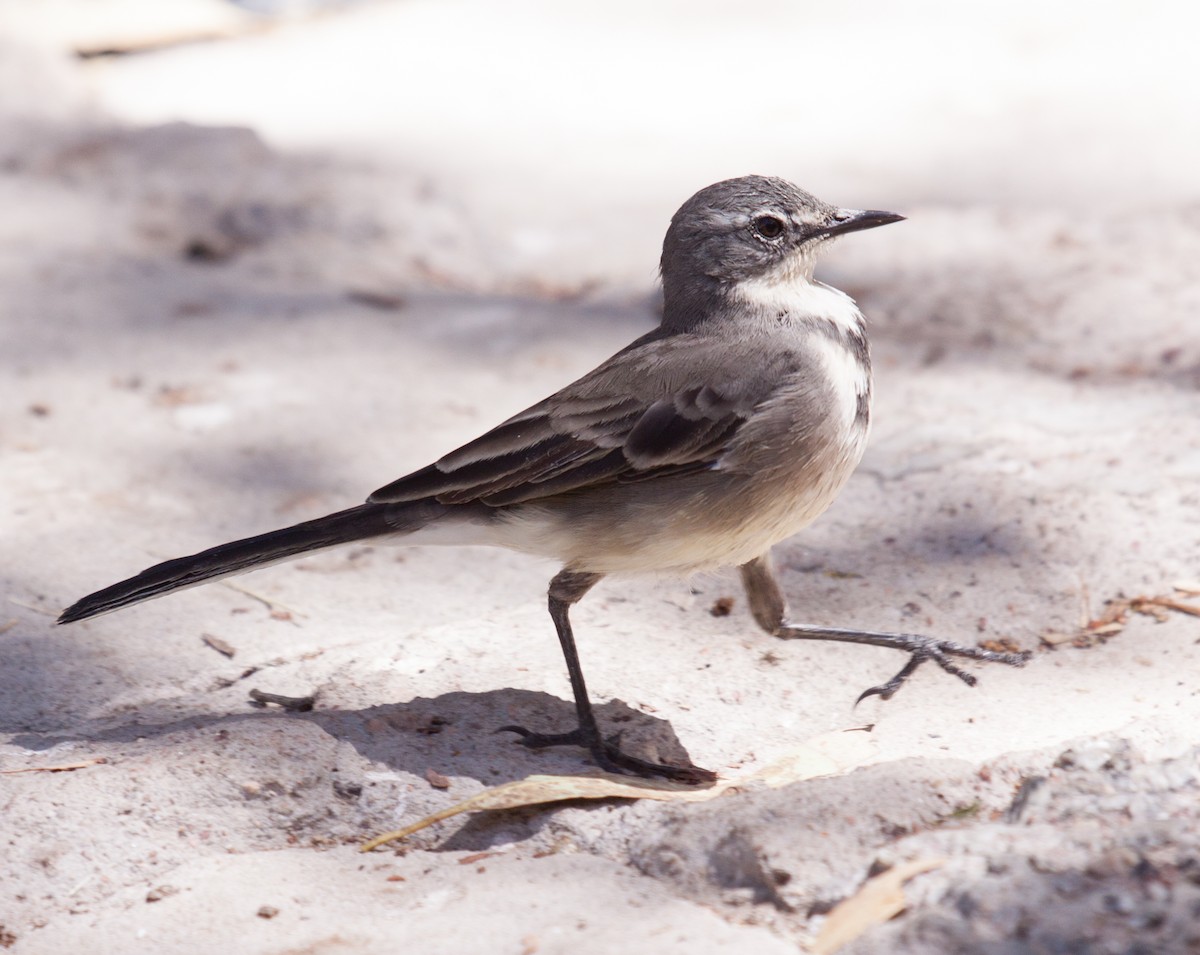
342, 527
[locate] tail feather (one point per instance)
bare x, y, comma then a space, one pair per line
342, 527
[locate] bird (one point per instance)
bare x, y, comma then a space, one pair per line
724, 430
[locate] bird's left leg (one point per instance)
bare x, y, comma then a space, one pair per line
566, 589
770, 610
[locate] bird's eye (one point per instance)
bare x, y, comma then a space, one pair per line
769, 227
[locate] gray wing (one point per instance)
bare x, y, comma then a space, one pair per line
670, 406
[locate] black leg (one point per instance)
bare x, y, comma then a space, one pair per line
566, 589
769, 608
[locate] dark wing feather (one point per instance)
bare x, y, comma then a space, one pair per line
600, 470
679, 406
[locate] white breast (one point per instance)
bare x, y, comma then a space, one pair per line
794, 299
795, 296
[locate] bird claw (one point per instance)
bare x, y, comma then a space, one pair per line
607, 754
938, 651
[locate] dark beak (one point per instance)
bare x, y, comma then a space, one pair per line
854, 220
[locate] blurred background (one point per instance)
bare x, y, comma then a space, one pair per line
548, 143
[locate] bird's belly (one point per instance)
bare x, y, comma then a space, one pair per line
770, 509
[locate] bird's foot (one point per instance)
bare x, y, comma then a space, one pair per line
608, 756
920, 648
939, 651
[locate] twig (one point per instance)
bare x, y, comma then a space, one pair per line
59, 768
301, 704
1115, 617
36, 609
273, 605
216, 643
1171, 604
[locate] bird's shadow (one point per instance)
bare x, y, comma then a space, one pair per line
455, 734
459, 733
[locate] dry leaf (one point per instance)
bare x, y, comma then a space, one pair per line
172, 396
161, 892
536, 790
880, 898
217, 644
812, 760
1092, 632
476, 857
1116, 616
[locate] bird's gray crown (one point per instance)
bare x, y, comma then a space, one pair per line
740, 228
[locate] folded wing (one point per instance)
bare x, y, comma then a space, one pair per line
671, 407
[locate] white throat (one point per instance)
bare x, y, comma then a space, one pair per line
796, 295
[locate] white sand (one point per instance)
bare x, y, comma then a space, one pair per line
495, 180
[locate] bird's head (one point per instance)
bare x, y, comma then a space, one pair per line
752, 228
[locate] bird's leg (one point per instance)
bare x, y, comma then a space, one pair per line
770, 611
566, 589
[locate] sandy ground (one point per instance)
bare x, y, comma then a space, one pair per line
247, 281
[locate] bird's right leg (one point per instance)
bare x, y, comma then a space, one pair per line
770, 610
